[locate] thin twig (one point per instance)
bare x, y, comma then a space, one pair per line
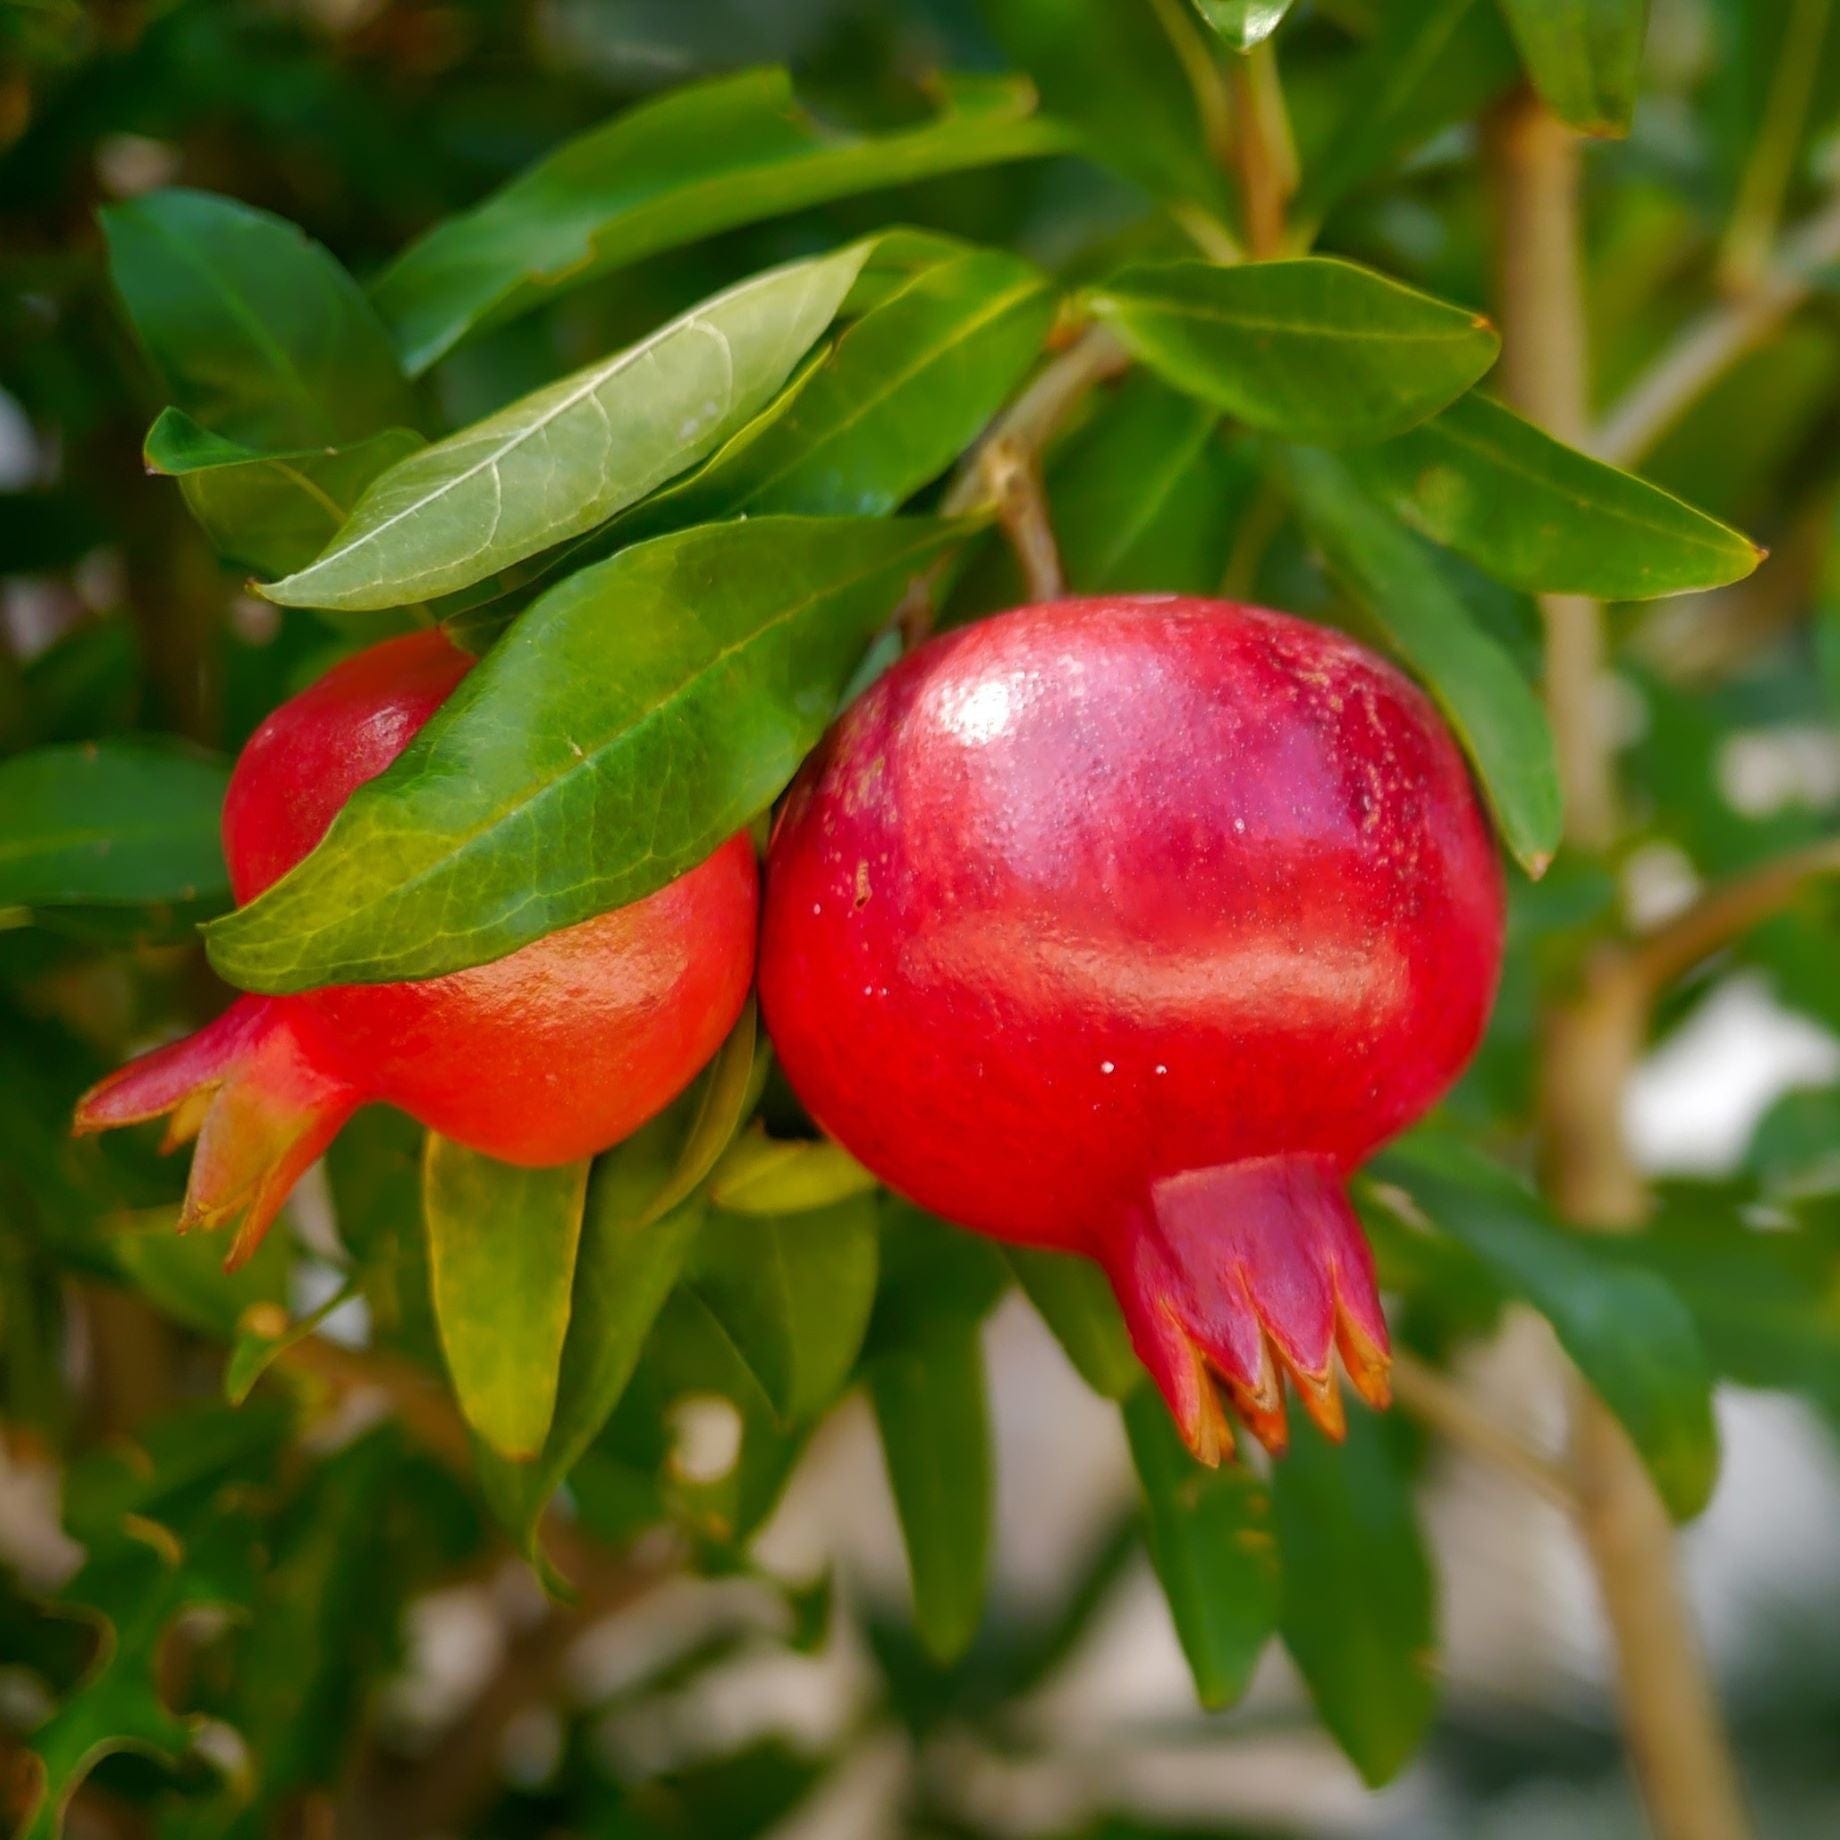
1676, 1738
1449, 1411
1264, 155
1724, 914
1022, 510
1717, 340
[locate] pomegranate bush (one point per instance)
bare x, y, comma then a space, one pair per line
1098, 664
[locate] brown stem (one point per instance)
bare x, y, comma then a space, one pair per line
1725, 914
1429, 1395
1718, 339
1533, 160
1022, 510
1264, 157
1594, 1036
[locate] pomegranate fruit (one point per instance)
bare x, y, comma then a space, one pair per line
541, 1057
1126, 927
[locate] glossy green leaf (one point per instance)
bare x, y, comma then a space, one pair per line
269, 511
899, 396
1210, 1538
1358, 1614
255, 330
1584, 56
1489, 704
793, 1294
785, 1175
568, 456
1317, 349
704, 158
635, 718
1539, 515
502, 1245
935, 1429
111, 822
1112, 70
1626, 1330
1145, 495
1075, 1300
1244, 23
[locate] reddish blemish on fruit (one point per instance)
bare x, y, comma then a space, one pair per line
544, 1056
1128, 927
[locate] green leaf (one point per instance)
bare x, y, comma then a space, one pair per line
115, 822
1210, 1540
1358, 1613
1584, 56
636, 717
1626, 1330
901, 394
1539, 515
1317, 349
568, 456
268, 511
793, 1294
502, 1246
1489, 704
1429, 63
637, 1230
255, 330
785, 1175
1114, 70
1076, 1302
935, 1429
264, 1334
1243, 23
1144, 495
702, 159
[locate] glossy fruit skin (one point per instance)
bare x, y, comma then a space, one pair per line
542, 1057
1128, 927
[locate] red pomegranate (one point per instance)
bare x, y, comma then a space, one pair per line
1127, 927
549, 1054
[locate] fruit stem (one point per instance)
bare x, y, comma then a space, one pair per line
1594, 1037
1446, 1409
1022, 510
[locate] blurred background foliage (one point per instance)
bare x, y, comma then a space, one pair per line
297, 1613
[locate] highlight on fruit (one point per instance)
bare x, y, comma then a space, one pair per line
1128, 927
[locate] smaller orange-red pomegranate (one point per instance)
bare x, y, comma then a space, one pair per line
549, 1054
1127, 927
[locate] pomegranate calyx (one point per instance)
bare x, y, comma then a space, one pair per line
1247, 1274
261, 1106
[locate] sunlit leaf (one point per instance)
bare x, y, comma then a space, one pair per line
1540, 515
502, 1246
635, 718
1317, 349
1490, 705
1244, 23
781, 1175
269, 511
567, 457
704, 158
